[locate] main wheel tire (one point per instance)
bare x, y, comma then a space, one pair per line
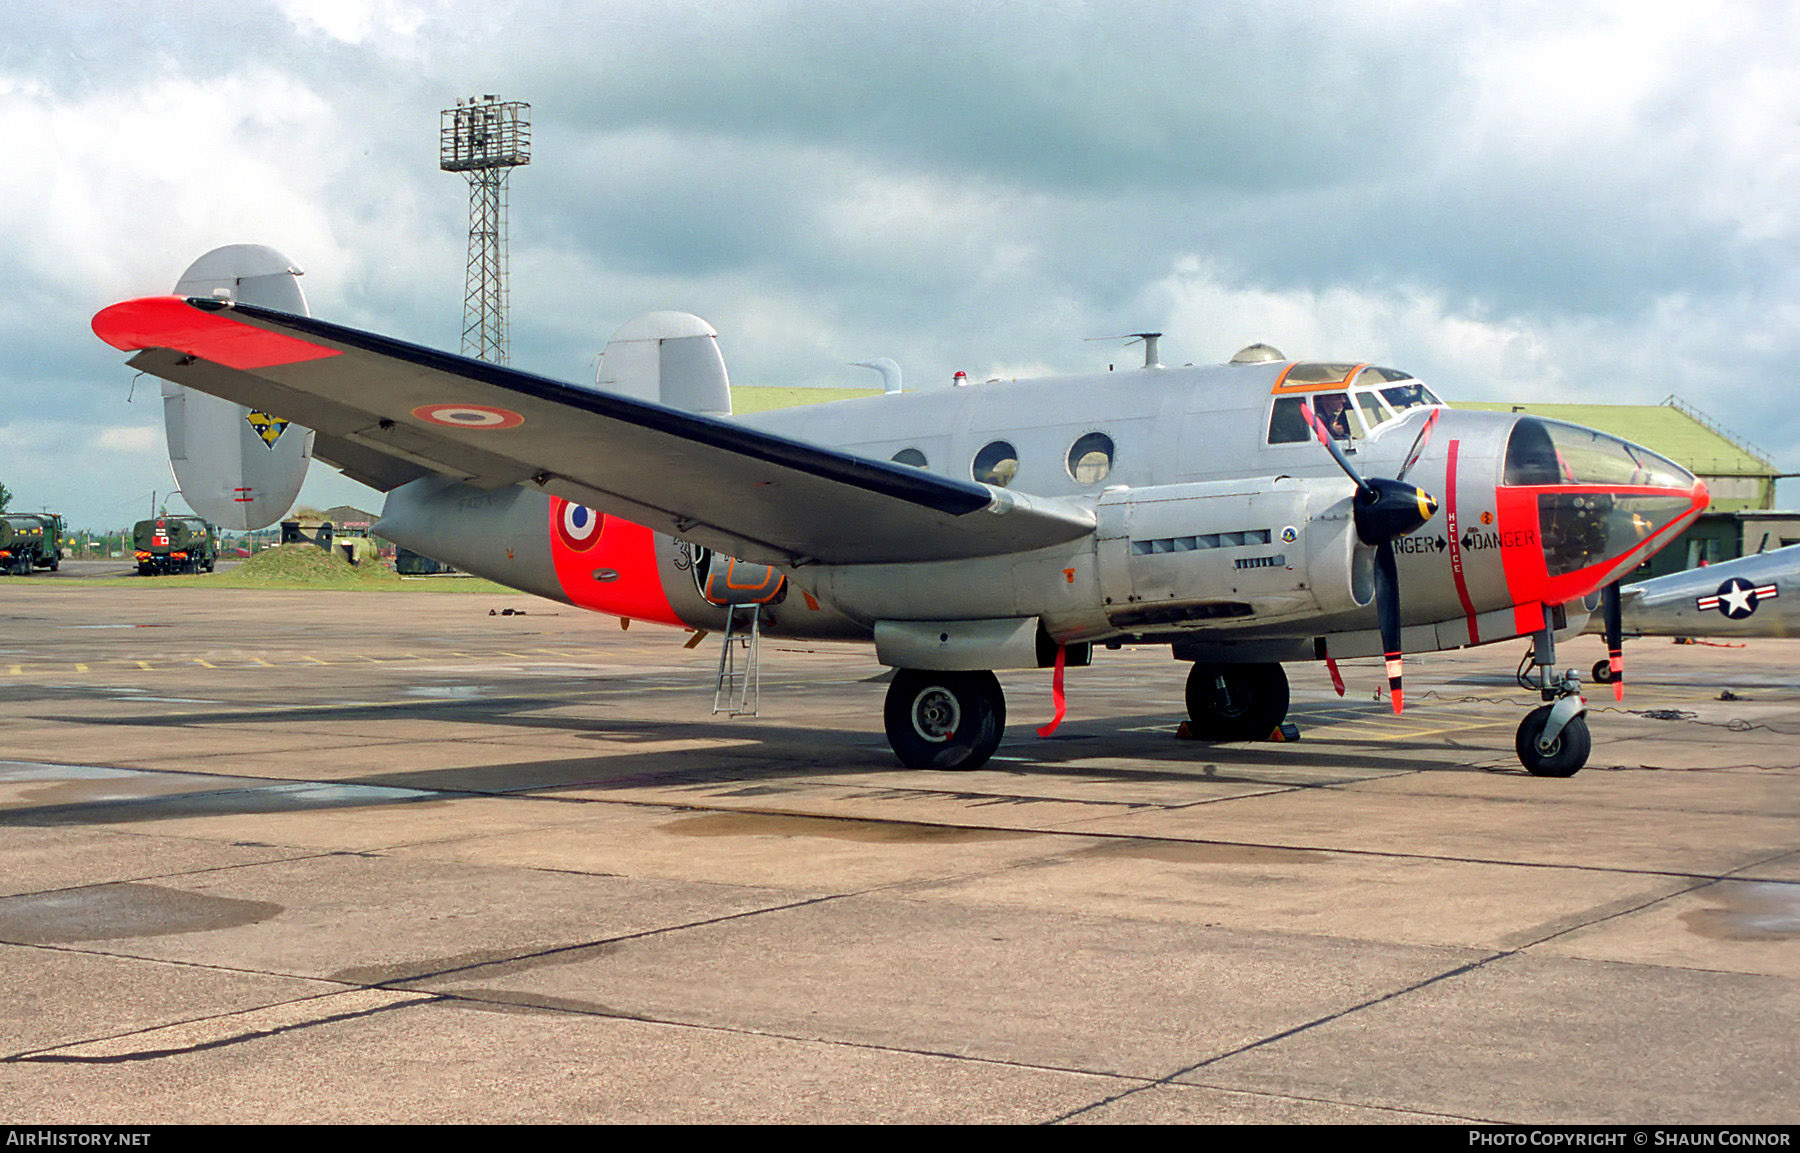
944, 720
1564, 757
1603, 672
1236, 702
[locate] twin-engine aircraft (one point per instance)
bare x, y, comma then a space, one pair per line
1246, 514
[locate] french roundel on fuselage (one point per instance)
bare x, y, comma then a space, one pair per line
579, 527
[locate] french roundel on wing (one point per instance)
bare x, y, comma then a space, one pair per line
578, 526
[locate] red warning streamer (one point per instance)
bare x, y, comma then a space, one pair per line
1056, 694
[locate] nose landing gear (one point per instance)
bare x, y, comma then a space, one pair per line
1553, 739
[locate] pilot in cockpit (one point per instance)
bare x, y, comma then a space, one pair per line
1333, 410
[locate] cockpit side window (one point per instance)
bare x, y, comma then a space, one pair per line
1374, 413
1287, 424
1338, 415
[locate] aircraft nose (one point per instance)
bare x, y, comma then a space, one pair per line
1602, 504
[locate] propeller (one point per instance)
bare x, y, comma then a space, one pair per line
1384, 511
1615, 630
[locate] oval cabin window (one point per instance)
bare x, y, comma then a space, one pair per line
1091, 458
996, 464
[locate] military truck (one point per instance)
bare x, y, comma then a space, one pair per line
28, 541
174, 544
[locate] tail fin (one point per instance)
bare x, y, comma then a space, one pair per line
238, 468
671, 358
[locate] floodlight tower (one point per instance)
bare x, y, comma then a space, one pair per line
485, 138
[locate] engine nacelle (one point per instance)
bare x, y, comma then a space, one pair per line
1206, 554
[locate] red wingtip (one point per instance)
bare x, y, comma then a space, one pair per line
171, 322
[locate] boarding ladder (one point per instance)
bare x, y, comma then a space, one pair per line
736, 692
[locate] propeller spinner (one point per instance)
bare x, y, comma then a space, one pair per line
1384, 511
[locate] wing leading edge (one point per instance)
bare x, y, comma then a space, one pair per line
389, 412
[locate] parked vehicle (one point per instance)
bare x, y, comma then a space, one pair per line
28, 541
174, 544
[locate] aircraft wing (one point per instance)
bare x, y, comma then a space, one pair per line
390, 412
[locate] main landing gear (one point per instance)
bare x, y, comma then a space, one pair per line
1236, 702
954, 720
947, 720
1553, 739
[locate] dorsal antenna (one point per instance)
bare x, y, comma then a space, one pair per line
1152, 356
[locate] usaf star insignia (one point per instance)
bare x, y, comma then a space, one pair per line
268, 427
1737, 598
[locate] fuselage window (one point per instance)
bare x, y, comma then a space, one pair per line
1091, 458
996, 464
910, 456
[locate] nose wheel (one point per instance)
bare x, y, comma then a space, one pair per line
1561, 755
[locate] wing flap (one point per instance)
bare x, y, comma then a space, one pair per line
763, 497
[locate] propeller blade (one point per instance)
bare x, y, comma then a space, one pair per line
1331, 446
1419, 443
1387, 612
1384, 511
1615, 637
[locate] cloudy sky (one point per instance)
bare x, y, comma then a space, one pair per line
1562, 200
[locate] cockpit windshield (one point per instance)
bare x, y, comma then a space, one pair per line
1409, 395
1352, 401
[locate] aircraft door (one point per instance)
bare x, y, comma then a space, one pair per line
725, 580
